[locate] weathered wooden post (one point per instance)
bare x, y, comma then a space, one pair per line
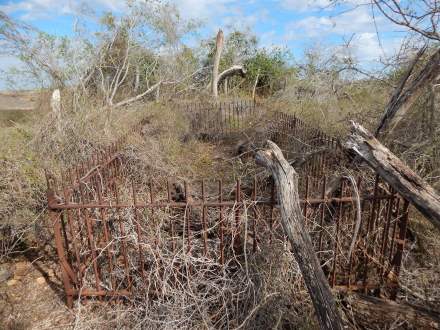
55, 104
286, 180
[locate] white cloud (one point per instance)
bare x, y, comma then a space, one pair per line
356, 24
239, 20
313, 5
42, 9
357, 20
32, 9
302, 5
238, 14
209, 11
203, 9
367, 48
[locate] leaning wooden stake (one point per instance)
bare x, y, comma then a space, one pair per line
286, 180
412, 187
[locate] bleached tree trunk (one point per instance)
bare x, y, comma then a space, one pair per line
409, 89
155, 87
157, 93
137, 78
55, 104
255, 85
233, 70
286, 180
396, 173
218, 52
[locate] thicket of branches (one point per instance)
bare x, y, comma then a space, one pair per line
137, 56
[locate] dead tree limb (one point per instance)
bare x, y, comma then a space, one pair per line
302, 158
254, 89
409, 90
218, 53
412, 187
138, 97
233, 70
286, 180
371, 312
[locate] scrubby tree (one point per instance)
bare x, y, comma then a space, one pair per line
267, 70
262, 69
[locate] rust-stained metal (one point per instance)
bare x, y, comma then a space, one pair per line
219, 119
323, 208
205, 229
254, 218
221, 224
187, 216
138, 233
101, 230
237, 238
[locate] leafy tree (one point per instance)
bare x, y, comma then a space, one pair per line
270, 67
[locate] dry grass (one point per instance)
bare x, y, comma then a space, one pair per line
421, 265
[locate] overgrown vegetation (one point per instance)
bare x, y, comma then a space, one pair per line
136, 67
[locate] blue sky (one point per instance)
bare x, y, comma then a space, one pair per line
295, 24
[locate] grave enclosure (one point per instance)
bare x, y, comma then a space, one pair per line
108, 230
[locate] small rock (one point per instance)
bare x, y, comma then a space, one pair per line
5, 274
11, 282
41, 280
22, 268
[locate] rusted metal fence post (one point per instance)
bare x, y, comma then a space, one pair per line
67, 275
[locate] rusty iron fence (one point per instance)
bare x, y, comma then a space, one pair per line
314, 152
107, 232
99, 232
217, 120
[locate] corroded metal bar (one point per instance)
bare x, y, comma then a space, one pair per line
73, 234
138, 233
220, 202
187, 216
371, 219
173, 241
91, 241
323, 206
205, 230
272, 206
336, 245
107, 239
254, 197
66, 279
161, 204
124, 240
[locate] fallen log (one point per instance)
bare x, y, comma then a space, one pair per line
405, 181
368, 312
286, 180
409, 89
